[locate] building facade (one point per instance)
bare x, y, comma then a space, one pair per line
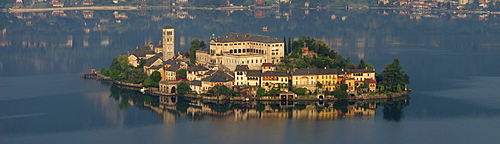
242, 49
168, 42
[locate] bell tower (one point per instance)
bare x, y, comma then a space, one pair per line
168, 42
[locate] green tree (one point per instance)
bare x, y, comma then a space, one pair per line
142, 62
134, 75
300, 91
286, 45
182, 73
148, 82
362, 64
120, 63
203, 45
340, 93
155, 76
392, 76
105, 71
221, 90
195, 45
260, 92
183, 88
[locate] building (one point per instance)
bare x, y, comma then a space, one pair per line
195, 72
277, 80
355, 78
18, 4
141, 52
216, 79
168, 42
161, 58
241, 49
329, 79
57, 3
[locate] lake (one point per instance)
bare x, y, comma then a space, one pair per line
452, 59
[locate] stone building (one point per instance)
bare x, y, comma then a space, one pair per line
241, 49
168, 42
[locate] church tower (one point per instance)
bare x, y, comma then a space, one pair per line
168, 42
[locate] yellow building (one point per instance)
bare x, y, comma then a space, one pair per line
312, 79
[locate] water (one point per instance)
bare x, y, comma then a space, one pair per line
452, 63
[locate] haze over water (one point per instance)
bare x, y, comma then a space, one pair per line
452, 62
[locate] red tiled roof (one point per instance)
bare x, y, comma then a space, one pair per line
268, 64
370, 81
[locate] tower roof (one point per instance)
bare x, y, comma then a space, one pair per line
168, 27
236, 37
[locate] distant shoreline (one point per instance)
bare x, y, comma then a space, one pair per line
217, 8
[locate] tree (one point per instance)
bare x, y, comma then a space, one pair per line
300, 91
155, 76
148, 82
340, 93
289, 45
134, 75
105, 71
183, 88
286, 45
392, 76
361, 64
182, 73
195, 45
142, 62
260, 92
221, 90
120, 63
203, 45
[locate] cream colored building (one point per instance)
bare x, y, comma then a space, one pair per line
241, 49
329, 79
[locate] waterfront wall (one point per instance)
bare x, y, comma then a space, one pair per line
76, 8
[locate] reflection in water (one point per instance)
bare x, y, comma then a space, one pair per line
171, 107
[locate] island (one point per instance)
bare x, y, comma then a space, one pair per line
252, 67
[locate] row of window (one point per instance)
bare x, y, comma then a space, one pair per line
241, 83
247, 61
327, 77
247, 50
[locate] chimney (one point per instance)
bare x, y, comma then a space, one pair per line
151, 46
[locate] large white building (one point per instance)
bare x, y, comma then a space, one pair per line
241, 49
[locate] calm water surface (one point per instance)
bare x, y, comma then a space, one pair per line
453, 64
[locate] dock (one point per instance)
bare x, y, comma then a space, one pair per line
98, 77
